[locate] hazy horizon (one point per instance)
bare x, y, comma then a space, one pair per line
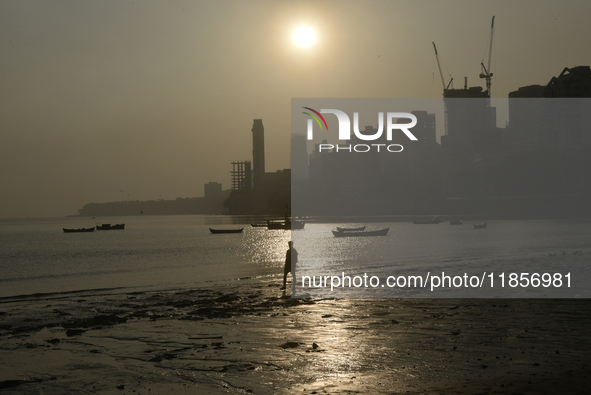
105, 101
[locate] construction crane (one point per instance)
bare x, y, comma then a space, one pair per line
486, 74
441, 72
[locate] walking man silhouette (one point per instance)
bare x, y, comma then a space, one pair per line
291, 258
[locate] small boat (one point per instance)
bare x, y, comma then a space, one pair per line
110, 227
381, 232
80, 230
480, 226
261, 225
456, 222
226, 230
434, 220
359, 229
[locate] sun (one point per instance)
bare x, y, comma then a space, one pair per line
304, 36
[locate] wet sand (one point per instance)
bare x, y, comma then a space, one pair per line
250, 337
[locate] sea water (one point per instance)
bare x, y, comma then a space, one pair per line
502, 248
152, 252
177, 252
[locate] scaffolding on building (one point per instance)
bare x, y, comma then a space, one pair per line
241, 176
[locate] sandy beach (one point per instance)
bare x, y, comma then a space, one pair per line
250, 337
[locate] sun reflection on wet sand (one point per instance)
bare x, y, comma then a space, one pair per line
248, 338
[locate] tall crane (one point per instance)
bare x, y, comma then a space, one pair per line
486, 70
441, 72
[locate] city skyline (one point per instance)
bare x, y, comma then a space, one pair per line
157, 99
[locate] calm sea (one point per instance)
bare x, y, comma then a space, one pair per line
176, 252
152, 252
505, 246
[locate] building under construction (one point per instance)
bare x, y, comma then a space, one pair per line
255, 191
241, 176
469, 119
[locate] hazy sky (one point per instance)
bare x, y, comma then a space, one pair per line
156, 98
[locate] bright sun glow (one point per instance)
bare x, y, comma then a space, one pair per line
304, 36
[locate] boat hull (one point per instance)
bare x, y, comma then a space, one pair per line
381, 232
359, 229
216, 231
110, 227
81, 230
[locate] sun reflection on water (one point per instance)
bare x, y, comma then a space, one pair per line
264, 247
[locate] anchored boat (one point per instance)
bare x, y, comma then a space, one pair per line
381, 232
226, 230
110, 227
80, 230
359, 229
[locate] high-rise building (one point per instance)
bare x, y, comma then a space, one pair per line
472, 140
299, 157
566, 117
554, 115
467, 112
526, 109
258, 153
573, 82
241, 176
424, 130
